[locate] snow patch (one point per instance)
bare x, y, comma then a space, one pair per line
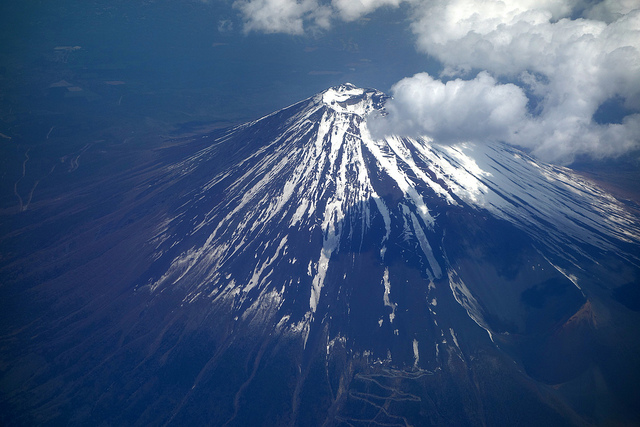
463, 296
385, 298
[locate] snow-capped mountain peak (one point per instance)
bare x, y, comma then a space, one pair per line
312, 210
347, 98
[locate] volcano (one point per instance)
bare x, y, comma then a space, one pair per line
297, 270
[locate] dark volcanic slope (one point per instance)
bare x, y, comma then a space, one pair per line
297, 271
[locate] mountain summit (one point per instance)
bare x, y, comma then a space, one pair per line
303, 272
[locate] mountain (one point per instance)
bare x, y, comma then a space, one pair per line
296, 270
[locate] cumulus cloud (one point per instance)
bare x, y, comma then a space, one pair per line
567, 67
571, 65
454, 111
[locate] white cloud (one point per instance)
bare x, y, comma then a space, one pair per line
466, 34
572, 65
299, 16
454, 111
350, 10
283, 16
